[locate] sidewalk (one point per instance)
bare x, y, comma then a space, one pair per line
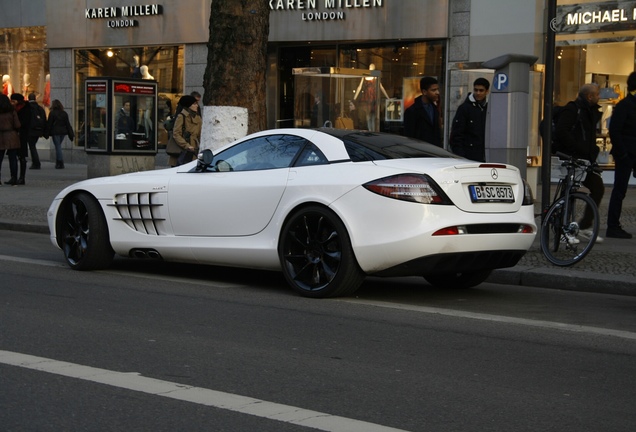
609, 268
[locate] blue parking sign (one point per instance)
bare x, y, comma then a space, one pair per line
501, 81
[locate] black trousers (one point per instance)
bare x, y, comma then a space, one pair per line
35, 158
594, 182
622, 170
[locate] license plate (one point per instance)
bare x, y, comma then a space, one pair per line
491, 193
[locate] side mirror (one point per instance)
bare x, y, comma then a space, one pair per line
204, 159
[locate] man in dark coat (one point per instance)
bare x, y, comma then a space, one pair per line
24, 115
422, 119
622, 132
36, 130
576, 134
468, 133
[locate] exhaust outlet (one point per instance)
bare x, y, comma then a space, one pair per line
138, 253
145, 254
153, 254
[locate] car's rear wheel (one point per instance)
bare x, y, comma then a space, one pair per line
83, 234
316, 254
459, 280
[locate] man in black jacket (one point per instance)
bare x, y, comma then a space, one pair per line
36, 129
468, 133
576, 134
24, 115
622, 132
422, 119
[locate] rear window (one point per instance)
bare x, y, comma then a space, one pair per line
370, 146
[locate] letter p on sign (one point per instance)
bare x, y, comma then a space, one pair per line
501, 81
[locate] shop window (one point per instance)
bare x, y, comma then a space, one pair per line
24, 60
163, 64
401, 66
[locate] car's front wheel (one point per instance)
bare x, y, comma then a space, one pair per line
316, 254
83, 234
459, 280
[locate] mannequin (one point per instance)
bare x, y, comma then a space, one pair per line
46, 99
26, 84
367, 88
136, 73
7, 88
145, 74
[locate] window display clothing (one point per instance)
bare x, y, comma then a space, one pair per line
46, 99
7, 88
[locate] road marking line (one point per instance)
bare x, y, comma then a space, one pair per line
32, 261
202, 396
498, 318
126, 273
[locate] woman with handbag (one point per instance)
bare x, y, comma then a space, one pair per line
57, 127
9, 136
186, 132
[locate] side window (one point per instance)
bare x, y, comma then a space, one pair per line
311, 155
267, 152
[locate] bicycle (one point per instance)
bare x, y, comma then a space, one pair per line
562, 241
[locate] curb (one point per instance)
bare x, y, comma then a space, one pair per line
24, 227
570, 280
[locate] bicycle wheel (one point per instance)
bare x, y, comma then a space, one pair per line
561, 239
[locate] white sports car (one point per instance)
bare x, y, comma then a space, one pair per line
325, 206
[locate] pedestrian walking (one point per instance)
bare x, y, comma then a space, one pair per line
57, 127
187, 131
9, 136
24, 114
36, 129
468, 132
622, 131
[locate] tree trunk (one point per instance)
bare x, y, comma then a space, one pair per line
237, 58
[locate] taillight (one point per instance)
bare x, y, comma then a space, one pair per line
528, 199
417, 188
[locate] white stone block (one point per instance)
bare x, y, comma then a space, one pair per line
222, 125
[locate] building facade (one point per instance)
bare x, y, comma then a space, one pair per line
334, 48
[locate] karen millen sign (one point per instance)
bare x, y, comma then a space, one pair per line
310, 10
123, 16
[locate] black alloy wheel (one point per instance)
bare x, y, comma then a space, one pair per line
83, 234
316, 255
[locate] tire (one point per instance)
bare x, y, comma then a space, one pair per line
316, 255
562, 243
83, 234
459, 280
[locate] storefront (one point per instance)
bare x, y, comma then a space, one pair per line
595, 42
167, 42
337, 50
51, 47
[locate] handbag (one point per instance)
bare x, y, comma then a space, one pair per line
344, 123
172, 148
184, 157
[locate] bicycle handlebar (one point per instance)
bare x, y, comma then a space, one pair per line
580, 162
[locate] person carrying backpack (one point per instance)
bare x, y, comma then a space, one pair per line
576, 134
36, 130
